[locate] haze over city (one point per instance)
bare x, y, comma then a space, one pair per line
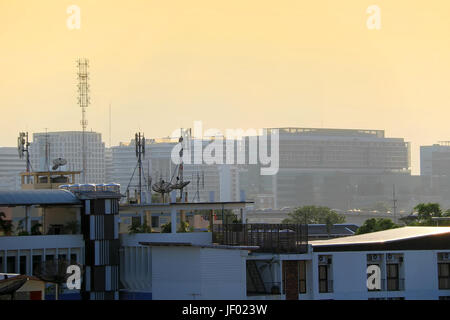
230, 64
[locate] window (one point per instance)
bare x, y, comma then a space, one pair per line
23, 265
11, 265
302, 276
36, 264
155, 222
392, 277
73, 258
444, 275
323, 278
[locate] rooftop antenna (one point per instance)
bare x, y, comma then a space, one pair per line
83, 102
394, 200
23, 148
47, 152
197, 192
140, 153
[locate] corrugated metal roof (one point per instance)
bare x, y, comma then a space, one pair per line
383, 236
37, 197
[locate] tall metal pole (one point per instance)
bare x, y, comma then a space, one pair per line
83, 102
395, 203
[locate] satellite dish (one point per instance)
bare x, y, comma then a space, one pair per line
59, 162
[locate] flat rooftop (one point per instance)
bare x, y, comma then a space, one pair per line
405, 238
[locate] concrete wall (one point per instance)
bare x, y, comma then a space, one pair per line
186, 273
420, 272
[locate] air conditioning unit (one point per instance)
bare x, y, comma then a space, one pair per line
445, 256
390, 257
374, 257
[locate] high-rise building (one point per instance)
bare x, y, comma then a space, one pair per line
435, 159
47, 146
10, 167
333, 167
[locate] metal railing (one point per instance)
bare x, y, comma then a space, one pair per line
278, 238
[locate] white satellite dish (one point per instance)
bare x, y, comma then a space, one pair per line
59, 162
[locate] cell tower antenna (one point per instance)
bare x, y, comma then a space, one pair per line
23, 147
83, 102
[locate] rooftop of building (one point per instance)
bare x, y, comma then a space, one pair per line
38, 197
393, 239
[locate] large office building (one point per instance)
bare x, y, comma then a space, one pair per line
47, 146
340, 168
435, 159
10, 167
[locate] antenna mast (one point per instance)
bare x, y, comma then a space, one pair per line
83, 102
23, 147
140, 153
395, 203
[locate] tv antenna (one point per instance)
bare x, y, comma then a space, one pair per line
139, 141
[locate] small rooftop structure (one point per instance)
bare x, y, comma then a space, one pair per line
37, 197
47, 179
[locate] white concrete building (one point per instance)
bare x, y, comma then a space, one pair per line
10, 167
47, 146
413, 262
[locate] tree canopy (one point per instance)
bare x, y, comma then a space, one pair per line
426, 212
314, 215
376, 224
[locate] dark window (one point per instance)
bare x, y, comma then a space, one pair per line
11, 265
1, 264
392, 277
49, 257
155, 222
444, 275
23, 265
302, 276
444, 298
323, 278
36, 264
62, 257
73, 258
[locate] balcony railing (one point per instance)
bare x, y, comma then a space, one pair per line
278, 238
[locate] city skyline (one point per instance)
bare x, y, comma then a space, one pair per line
231, 65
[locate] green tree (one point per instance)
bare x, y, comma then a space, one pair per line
184, 227
425, 214
314, 215
5, 225
137, 227
376, 224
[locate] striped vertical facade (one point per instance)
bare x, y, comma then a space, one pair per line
100, 228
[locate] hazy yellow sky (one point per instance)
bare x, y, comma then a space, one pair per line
231, 64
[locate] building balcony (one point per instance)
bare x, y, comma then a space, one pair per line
276, 238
